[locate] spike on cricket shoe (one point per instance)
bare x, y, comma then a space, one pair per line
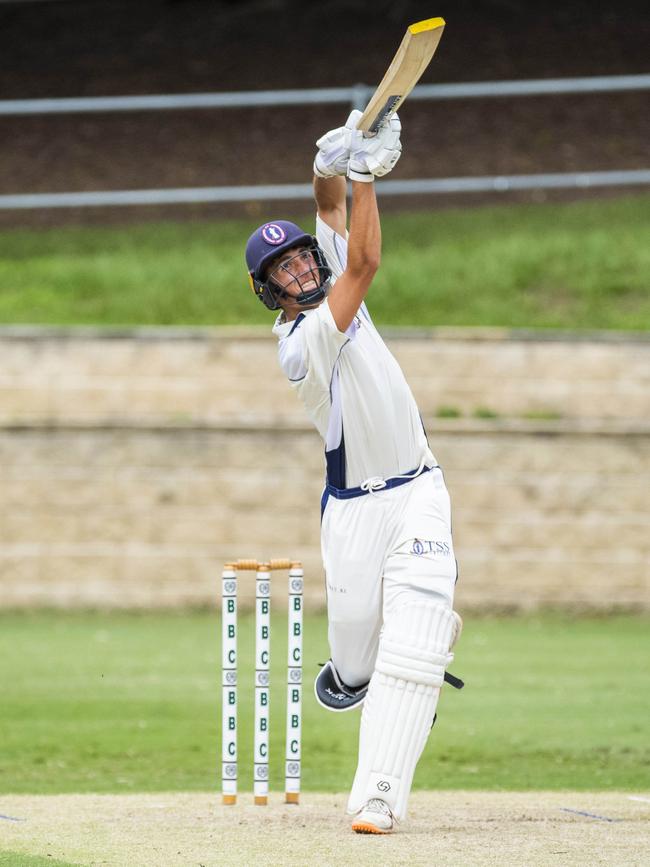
374, 818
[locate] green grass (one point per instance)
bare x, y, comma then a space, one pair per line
19, 859
575, 266
126, 702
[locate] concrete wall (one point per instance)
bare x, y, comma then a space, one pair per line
132, 466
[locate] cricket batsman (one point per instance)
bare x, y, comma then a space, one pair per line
386, 524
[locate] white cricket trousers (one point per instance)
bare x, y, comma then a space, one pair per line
382, 550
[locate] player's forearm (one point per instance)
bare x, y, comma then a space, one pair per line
364, 251
330, 196
364, 244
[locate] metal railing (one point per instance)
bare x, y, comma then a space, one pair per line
357, 96
277, 192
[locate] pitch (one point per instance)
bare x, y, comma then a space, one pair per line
445, 828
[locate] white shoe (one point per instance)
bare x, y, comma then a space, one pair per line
374, 818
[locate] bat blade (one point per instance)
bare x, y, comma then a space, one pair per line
413, 56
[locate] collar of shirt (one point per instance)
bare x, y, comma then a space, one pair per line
283, 328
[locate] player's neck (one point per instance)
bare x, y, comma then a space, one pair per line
289, 314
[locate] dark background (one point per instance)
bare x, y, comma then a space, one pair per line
113, 47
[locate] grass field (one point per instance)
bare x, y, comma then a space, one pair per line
569, 266
130, 703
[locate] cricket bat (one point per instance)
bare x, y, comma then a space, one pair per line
412, 58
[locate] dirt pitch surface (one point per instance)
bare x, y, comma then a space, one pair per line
445, 828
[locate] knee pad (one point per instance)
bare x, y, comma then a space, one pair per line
415, 644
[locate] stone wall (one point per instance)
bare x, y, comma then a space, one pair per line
208, 376
132, 466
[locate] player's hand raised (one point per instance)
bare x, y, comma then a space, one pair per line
346, 150
375, 156
333, 152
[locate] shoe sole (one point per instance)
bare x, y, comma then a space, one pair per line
368, 828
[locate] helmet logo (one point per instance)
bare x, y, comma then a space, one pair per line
273, 234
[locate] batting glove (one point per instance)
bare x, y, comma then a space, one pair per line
375, 156
333, 152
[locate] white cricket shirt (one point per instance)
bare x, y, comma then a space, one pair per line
352, 387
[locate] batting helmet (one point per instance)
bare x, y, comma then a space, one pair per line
269, 241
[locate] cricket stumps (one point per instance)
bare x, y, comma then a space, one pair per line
229, 682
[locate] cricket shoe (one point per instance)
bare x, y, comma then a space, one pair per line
374, 818
335, 695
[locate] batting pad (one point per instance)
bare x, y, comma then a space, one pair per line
401, 703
